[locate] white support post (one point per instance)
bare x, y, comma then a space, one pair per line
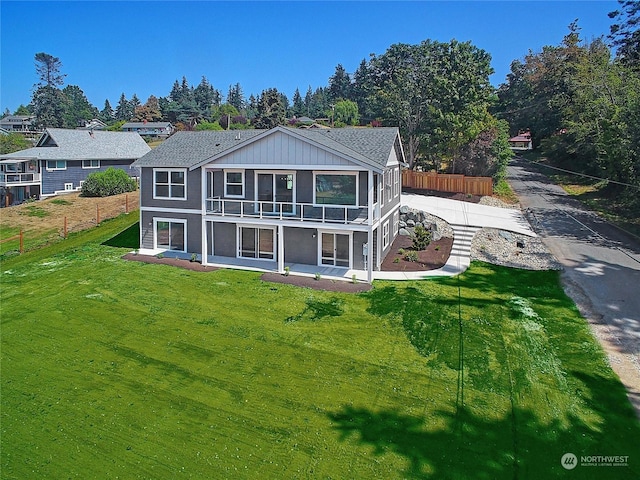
280, 241
203, 232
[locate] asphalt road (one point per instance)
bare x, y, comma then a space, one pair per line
601, 267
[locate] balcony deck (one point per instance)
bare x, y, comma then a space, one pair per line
303, 212
17, 179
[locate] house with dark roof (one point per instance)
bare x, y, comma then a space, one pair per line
305, 201
18, 123
149, 129
62, 159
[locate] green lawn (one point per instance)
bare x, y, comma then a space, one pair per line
116, 369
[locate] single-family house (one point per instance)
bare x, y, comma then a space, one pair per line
521, 142
62, 159
149, 129
18, 123
312, 201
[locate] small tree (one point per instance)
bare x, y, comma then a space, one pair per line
110, 182
421, 238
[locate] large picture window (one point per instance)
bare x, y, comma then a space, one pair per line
336, 189
170, 183
170, 234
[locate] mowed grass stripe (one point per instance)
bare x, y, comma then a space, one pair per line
114, 368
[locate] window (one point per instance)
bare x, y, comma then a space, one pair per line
396, 223
68, 187
90, 163
170, 234
396, 182
56, 164
233, 183
169, 183
388, 177
336, 189
385, 235
256, 243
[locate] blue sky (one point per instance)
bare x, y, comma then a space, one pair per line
113, 47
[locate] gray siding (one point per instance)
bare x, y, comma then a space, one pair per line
359, 239
54, 180
194, 191
395, 201
193, 229
224, 239
283, 149
304, 188
300, 246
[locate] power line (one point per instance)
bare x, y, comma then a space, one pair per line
583, 174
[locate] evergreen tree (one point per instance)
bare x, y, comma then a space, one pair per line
361, 89
123, 109
298, 109
48, 100
48, 70
78, 109
107, 115
206, 97
22, 110
319, 103
339, 85
625, 33
270, 109
308, 100
236, 97
176, 92
48, 107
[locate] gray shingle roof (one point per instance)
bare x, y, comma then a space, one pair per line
185, 149
63, 144
370, 146
146, 125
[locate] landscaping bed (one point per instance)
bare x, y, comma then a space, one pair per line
433, 257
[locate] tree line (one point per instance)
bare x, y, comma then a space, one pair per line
579, 102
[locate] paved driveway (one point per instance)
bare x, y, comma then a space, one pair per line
601, 268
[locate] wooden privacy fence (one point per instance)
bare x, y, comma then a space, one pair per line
447, 182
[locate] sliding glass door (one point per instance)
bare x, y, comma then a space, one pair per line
335, 248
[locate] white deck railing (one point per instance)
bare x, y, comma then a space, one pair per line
303, 212
18, 178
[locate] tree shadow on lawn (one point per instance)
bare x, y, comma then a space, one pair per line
129, 238
520, 444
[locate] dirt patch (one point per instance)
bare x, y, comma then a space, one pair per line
174, 262
321, 284
433, 257
81, 212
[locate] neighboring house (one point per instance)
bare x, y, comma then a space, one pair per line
18, 123
310, 200
61, 161
521, 142
94, 124
149, 129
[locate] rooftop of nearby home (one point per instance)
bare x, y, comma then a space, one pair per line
65, 144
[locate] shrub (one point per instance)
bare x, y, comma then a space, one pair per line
110, 182
421, 238
411, 256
